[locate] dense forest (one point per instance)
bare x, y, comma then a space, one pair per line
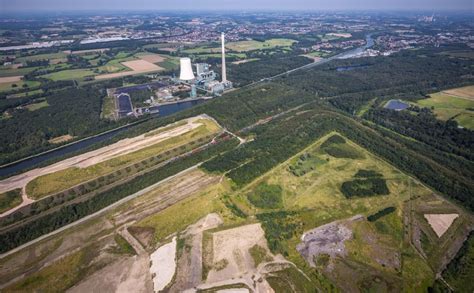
73, 111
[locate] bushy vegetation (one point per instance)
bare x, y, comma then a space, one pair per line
278, 227
337, 147
367, 173
380, 214
123, 246
10, 199
266, 196
305, 163
364, 187
460, 270
259, 254
290, 279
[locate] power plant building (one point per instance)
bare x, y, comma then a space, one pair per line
204, 76
186, 69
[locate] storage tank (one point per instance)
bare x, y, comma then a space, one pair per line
186, 71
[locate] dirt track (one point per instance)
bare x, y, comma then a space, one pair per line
119, 148
10, 79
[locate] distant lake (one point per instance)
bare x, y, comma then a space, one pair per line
396, 105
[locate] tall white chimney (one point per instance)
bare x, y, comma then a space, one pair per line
224, 74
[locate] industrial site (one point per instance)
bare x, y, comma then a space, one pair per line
236, 152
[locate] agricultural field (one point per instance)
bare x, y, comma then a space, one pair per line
51, 56
72, 74
20, 84
244, 46
10, 71
457, 104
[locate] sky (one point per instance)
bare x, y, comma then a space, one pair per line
241, 5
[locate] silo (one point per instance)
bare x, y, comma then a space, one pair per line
186, 72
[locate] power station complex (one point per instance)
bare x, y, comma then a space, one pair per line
205, 78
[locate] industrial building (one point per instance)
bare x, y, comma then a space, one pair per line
205, 78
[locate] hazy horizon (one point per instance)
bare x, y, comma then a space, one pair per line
18, 6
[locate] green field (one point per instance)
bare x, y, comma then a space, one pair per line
64, 179
311, 184
5, 87
37, 106
202, 50
10, 199
244, 46
318, 54
7, 71
59, 55
73, 74
447, 106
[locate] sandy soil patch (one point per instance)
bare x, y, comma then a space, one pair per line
141, 65
61, 139
232, 247
234, 290
119, 148
244, 61
163, 265
314, 58
440, 222
126, 275
9, 79
466, 92
137, 67
153, 58
327, 239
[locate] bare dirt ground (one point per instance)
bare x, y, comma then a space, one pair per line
61, 139
119, 148
10, 79
466, 92
189, 271
128, 274
440, 222
327, 239
314, 58
120, 273
137, 67
232, 246
242, 61
153, 58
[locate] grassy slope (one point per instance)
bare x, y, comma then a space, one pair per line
448, 106
318, 192
10, 199
64, 179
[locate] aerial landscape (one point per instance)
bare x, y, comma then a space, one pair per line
236, 146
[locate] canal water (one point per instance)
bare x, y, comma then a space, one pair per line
28, 163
